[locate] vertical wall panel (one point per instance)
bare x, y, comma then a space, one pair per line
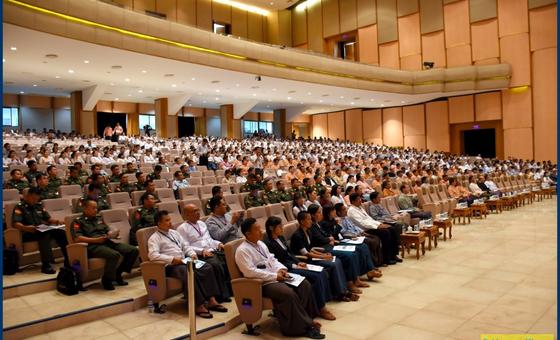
433, 49
348, 17
540, 3
389, 55
315, 40
354, 125
488, 106
331, 25
512, 17
517, 111
409, 35
386, 21
144, 5
366, 12
167, 7
482, 10
543, 27
172, 130
413, 120
437, 126
461, 109
431, 16
456, 16
412, 63
238, 22
417, 142
62, 120
221, 12
336, 128
319, 126
373, 126
186, 12
406, 7
518, 143
299, 27
459, 56
485, 40
514, 50
393, 127
254, 26
544, 69
367, 47
204, 14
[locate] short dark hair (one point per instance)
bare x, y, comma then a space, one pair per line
146, 195
34, 191
14, 171
301, 216
271, 223
158, 168
313, 208
49, 168
160, 215
373, 195
138, 174
30, 163
354, 196
338, 207
214, 202
247, 224
216, 189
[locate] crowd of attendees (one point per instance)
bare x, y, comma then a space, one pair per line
326, 181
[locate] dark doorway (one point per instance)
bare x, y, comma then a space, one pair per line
108, 118
480, 142
186, 126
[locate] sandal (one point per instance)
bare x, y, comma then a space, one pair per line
327, 315
362, 285
205, 315
218, 308
353, 297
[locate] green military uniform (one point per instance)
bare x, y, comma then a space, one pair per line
318, 187
143, 218
54, 183
139, 186
104, 191
252, 201
31, 175
83, 173
125, 188
284, 195
19, 185
130, 172
109, 250
102, 204
35, 215
271, 197
294, 191
153, 175
75, 181
245, 187
114, 178
48, 193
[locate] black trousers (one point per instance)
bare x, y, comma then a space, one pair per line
205, 285
388, 242
221, 272
45, 243
374, 244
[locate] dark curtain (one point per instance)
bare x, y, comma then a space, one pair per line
109, 118
186, 126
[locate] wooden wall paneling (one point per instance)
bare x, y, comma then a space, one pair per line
412, 63
354, 125
488, 106
543, 27
393, 127
437, 126
348, 16
367, 45
125, 3
517, 110
239, 22
514, 50
186, 12
461, 109
544, 68
389, 55
387, 30
518, 143
433, 49
11, 100
540, 3
431, 16
331, 18
457, 26
167, 7
459, 56
299, 27
513, 17
204, 14
417, 142
413, 120
315, 40
373, 126
409, 35
336, 129
144, 5
254, 26
319, 125
484, 37
221, 12
406, 7
366, 12
33, 101
482, 10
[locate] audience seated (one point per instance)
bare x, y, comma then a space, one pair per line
223, 226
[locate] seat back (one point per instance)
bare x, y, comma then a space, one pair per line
9, 211
188, 193
276, 210
209, 180
67, 222
289, 229
117, 219
195, 181
136, 196
160, 183
233, 202
119, 200
173, 210
143, 235
259, 214
289, 211
10, 195
70, 191
195, 174
165, 194
205, 191
229, 250
392, 205
58, 208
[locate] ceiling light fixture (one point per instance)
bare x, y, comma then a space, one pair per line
173, 85
341, 97
308, 93
13, 48
70, 71
112, 84
320, 101
57, 77
351, 103
127, 79
306, 4
236, 85
116, 67
116, 98
140, 91
35, 85
289, 98
274, 89
21, 92
218, 91
86, 61
144, 71
193, 78
252, 9
254, 94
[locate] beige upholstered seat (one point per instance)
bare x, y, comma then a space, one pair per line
119, 200
276, 210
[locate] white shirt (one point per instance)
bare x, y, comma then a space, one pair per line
249, 255
180, 184
474, 188
491, 185
197, 236
361, 218
166, 246
337, 199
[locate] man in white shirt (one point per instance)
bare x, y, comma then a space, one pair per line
196, 234
361, 218
294, 306
168, 246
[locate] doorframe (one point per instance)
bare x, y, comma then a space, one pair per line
456, 131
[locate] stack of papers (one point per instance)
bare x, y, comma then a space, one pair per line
344, 248
43, 227
296, 280
314, 268
197, 263
358, 240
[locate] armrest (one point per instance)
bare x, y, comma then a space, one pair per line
248, 298
77, 252
301, 257
155, 281
13, 236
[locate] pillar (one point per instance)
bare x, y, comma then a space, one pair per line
279, 126
226, 118
161, 109
83, 122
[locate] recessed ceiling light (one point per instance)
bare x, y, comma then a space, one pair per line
372, 100
218, 91
144, 71
199, 93
270, 100
167, 75
112, 84
86, 61
217, 98
236, 85
341, 97
127, 79
116, 98
382, 104
301, 103
57, 77
274, 89
190, 104
268, 106
140, 91
51, 56
320, 101
13, 48
21, 92
402, 102
70, 71
129, 95
254, 94
351, 103
193, 78
289, 98
116, 67
173, 85
308, 93
35, 85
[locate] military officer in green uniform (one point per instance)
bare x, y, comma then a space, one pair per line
93, 193
90, 229
144, 217
100, 182
251, 181
140, 181
269, 196
157, 172
74, 177
16, 181
30, 213
253, 199
124, 186
115, 173
54, 181
130, 169
32, 173
46, 192
283, 194
318, 186
297, 188
81, 171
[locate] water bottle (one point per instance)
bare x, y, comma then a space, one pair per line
151, 307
